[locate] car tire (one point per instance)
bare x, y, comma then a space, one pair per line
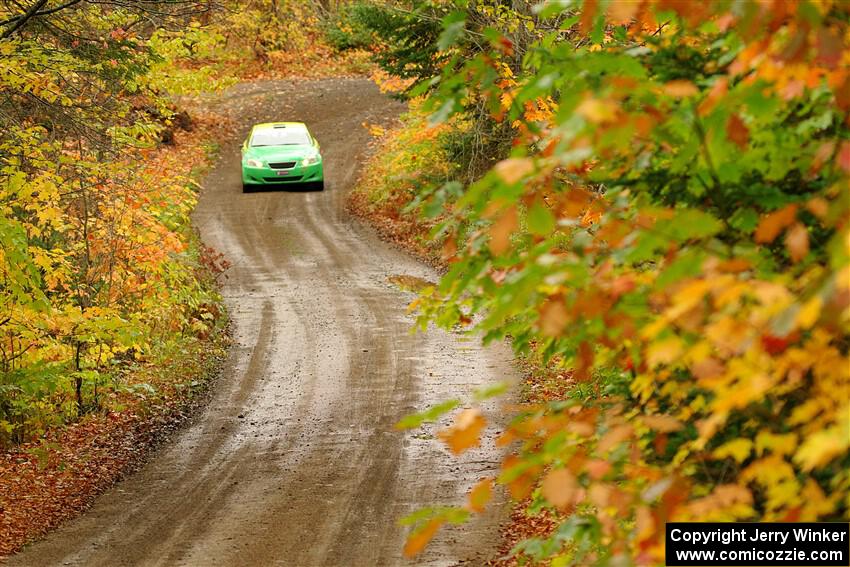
320, 186
247, 187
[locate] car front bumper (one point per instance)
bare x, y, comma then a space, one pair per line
268, 176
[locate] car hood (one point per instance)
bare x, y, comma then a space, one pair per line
280, 153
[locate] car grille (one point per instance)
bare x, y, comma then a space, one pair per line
282, 165
283, 179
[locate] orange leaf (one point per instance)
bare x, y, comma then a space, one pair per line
771, 225
465, 431
600, 495
560, 488
662, 423
797, 241
818, 207
417, 541
480, 495
585, 361
597, 468
738, 131
622, 11
680, 88
521, 486
843, 158
588, 14
501, 230
717, 92
449, 248
614, 437
553, 318
707, 368
512, 170
822, 154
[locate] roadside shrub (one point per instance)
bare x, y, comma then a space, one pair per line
349, 27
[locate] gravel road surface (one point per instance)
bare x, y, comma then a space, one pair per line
295, 460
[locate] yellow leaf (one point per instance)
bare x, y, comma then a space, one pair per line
465, 431
688, 297
778, 479
779, 444
729, 333
596, 110
822, 447
738, 449
560, 488
809, 313
664, 352
815, 503
506, 99
725, 503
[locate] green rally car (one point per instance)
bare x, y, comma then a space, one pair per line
281, 152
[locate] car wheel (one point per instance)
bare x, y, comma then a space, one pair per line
247, 187
320, 186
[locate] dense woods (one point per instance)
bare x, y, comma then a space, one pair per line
101, 269
648, 198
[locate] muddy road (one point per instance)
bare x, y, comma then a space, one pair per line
295, 460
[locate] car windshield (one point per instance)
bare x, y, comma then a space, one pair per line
280, 137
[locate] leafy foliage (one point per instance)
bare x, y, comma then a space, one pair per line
351, 26
99, 266
409, 160
286, 38
670, 229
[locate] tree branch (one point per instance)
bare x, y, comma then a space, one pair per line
21, 19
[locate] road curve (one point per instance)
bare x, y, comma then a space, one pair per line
295, 461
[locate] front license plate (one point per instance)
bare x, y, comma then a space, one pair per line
282, 173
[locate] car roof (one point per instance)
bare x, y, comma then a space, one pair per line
271, 125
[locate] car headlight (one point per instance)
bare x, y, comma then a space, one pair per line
253, 163
312, 160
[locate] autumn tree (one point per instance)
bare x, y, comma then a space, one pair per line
94, 262
670, 229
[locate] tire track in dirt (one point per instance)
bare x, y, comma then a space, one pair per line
295, 461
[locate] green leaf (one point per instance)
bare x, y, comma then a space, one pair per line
745, 220
690, 224
431, 414
540, 219
453, 27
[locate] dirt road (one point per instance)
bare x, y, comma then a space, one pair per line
295, 461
